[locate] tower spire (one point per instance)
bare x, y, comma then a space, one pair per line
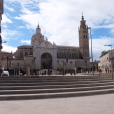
82, 16
38, 25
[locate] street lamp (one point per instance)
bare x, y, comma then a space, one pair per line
14, 65
109, 45
91, 48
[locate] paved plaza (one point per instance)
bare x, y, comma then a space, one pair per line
98, 104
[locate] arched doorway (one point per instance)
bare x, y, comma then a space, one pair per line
46, 61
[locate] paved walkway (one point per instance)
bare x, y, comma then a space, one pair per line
98, 104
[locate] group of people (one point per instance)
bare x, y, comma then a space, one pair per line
47, 73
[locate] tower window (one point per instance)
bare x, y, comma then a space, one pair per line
84, 36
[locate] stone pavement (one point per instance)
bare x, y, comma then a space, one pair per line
98, 104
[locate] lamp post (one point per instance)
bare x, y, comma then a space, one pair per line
14, 65
91, 50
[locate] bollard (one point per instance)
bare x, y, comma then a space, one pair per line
74, 72
48, 72
88, 71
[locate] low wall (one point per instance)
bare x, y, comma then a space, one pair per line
107, 74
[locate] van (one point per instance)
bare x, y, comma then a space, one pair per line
5, 73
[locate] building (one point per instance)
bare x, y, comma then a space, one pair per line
95, 65
44, 54
107, 60
1, 12
48, 55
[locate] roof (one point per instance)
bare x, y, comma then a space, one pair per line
25, 46
104, 54
67, 46
6, 52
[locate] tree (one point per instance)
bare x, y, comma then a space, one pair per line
103, 52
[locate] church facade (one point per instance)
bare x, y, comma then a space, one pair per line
48, 55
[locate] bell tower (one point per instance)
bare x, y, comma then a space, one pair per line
83, 38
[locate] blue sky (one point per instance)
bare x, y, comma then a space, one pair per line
59, 21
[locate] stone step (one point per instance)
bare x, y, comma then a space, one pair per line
36, 91
54, 86
54, 95
37, 81
52, 83
48, 77
37, 87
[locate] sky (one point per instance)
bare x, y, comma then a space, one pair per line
59, 21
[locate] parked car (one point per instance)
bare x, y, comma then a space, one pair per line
5, 73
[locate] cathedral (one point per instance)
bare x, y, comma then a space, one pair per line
45, 54
48, 55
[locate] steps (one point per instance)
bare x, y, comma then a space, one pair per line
40, 87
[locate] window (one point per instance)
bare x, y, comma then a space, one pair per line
84, 36
26, 53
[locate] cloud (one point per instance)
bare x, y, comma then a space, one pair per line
19, 18
112, 31
10, 34
8, 48
25, 41
21, 27
5, 19
59, 19
10, 9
